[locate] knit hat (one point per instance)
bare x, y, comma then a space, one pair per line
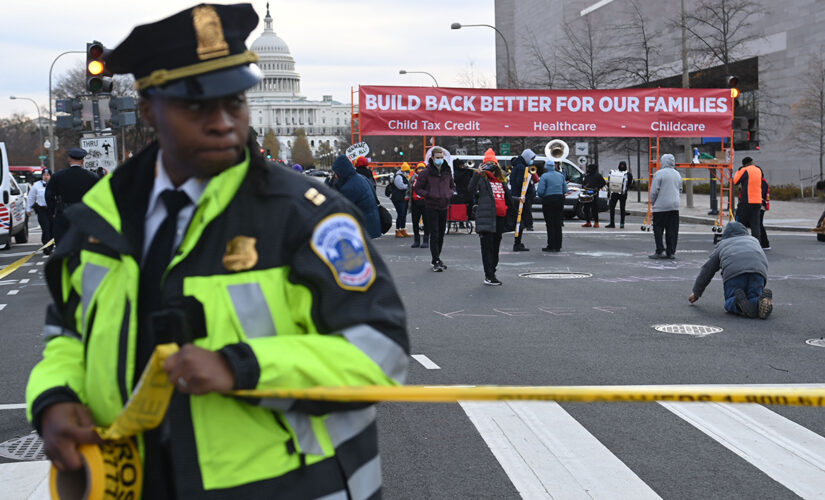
490, 156
420, 164
361, 162
405, 167
528, 155
747, 161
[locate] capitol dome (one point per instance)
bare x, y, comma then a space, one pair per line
276, 63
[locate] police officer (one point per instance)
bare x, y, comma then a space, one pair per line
37, 202
66, 188
267, 274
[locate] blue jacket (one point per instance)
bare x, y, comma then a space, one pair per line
358, 190
551, 182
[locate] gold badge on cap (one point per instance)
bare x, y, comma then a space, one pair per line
209, 30
240, 254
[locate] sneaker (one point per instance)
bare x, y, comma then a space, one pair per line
492, 281
546, 249
528, 228
670, 256
587, 224
437, 268
596, 224
611, 226
519, 247
621, 226
441, 264
425, 245
656, 255
765, 304
743, 304
766, 248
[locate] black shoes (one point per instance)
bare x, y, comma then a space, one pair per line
745, 306
492, 281
546, 249
611, 226
656, 255
765, 304
519, 247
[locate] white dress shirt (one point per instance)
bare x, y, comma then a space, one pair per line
37, 194
156, 212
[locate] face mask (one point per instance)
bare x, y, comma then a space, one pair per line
438, 161
530, 162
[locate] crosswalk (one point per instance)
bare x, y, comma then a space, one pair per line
547, 453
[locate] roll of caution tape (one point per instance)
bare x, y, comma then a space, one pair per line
14, 266
110, 471
113, 470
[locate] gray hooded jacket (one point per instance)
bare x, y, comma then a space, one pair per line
737, 253
666, 186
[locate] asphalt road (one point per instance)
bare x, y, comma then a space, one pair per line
595, 330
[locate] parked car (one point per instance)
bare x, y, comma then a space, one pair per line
13, 219
319, 175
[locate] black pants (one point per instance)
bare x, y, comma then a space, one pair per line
437, 220
622, 200
490, 245
666, 223
527, 214
44, 218
417, 211
763, 236
591, 210
552, 207
748, 214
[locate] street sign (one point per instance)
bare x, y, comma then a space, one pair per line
102, 152
43, 157
461, 151
582, 149
505, 148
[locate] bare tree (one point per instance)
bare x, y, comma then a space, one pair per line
471, 77
720, 28
587, 59
641, 43
543, 61
808, 113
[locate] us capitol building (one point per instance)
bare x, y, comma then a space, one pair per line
275, 103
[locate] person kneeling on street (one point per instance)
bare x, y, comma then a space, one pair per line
744, 272
493, 200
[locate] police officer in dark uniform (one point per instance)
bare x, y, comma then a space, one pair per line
66, 188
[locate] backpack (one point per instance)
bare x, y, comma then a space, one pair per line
388, 189
617, 181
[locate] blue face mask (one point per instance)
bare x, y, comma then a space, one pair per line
438, 161
530, 162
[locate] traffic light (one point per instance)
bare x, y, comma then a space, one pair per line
268, 154
123, 111
733, 84
97, 75
263, 151
401, 153
75, 109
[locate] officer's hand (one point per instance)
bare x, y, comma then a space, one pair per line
194, 370
66, 425
693, 298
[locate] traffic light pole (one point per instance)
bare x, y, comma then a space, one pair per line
97, 124
51, 120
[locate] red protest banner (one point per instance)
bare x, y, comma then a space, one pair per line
661, 112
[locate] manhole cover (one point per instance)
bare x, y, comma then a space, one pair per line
28, 447
692, 330
816, 342
555, 276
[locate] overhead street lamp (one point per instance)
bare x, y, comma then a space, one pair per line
39, 121
405, 72
458, 26
51, 121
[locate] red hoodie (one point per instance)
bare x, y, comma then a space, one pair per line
498, 194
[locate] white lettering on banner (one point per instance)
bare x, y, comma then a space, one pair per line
574, 103
677, 127
686, 105
619, 104
471, 125
563, 127
391, 102
403, 124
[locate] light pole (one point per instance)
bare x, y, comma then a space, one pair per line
405, 72
51, 121
458, 26
39, 121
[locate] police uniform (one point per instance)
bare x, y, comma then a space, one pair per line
273, 272
66, 188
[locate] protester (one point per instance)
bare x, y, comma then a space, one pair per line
619, 182
551, 190
461, 177
298, 168
593, 181
493, 201
417, 210
357, 190
273, 285
520, 166
749, 180
766, 205
665, 197
398, 196
435, 183
66, 188
37, 201
744, 273
362, 167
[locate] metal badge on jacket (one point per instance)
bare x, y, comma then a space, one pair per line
240, 254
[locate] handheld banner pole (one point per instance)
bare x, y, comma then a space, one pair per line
524, 184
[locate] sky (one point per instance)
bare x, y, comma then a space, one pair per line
336, 44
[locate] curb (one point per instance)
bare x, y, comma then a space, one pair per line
695, 219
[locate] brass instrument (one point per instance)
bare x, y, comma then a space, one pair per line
533, 169
469, 164
557, 149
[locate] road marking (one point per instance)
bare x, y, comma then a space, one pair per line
13, 292
784, 450
548, 454
25, 479
40, 263
17, 406
2, 306
426, 362
32, 271
24, 281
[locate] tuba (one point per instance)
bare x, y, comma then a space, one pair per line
532, 169
557, 149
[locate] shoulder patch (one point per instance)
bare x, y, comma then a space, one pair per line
339, 241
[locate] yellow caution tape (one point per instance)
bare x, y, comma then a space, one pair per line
798, 396
111, 471
14, 266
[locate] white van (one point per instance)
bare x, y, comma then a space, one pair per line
13, 218
574, 175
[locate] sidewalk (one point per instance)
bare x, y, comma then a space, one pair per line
783, 215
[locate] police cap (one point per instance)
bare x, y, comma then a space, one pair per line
77, 153
199, 53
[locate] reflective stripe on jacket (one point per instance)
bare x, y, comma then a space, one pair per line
286, 321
